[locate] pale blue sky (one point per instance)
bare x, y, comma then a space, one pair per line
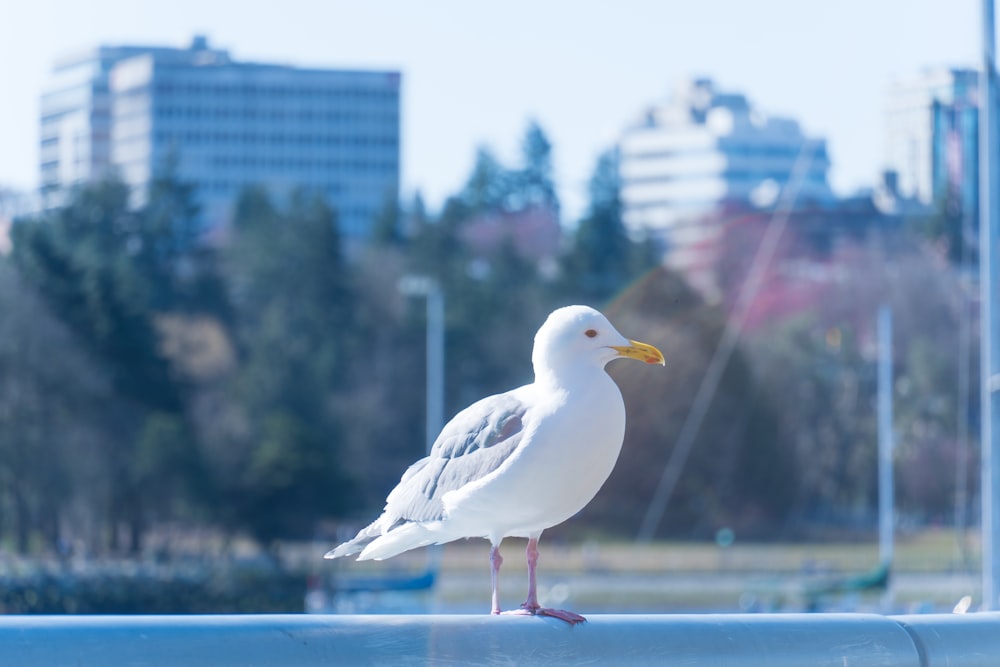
474, 72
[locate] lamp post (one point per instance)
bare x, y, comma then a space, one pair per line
430, 289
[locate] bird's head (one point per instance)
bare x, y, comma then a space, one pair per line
581, 336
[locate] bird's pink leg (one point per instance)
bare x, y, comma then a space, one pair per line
531, 604
496, 560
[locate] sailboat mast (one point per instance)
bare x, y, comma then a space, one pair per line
989, 276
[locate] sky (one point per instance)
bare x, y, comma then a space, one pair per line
475, 73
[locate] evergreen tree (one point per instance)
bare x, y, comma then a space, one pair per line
83, 260
292, 306
171, 251
488, 187
96, 263
602, 259
417, 217
54, 426
387, 229
535, 181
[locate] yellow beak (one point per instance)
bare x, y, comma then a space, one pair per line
641, 351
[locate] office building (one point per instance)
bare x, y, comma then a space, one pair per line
75, 130
703, 150
225, 125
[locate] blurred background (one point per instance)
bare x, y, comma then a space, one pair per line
226, 236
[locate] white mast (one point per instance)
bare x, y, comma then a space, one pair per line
886, 513
989, 220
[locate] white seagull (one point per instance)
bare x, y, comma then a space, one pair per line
514, 464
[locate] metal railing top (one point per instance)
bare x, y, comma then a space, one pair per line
748, 640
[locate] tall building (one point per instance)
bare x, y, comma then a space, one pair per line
702, 150
931, 130
75, 128
224, 125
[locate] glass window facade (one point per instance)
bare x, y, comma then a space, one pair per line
227, 125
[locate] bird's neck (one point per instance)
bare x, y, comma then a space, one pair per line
549, 377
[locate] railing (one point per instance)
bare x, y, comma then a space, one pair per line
716, 640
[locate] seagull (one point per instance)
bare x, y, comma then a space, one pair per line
514, 464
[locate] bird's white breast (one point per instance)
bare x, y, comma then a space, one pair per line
572, 441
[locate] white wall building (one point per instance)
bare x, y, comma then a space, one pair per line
75, 130
704, 149
227, 125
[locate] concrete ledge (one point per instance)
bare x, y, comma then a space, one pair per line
717, 640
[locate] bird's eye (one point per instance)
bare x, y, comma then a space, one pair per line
590, 333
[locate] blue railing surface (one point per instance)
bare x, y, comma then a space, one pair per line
716, 640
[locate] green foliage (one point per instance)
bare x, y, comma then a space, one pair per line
493, 187
169, 469
386, 228
825, 357
291, 481
736, 475
261, 383
110, 272
488, 186
292, 317
52, 401
166, 248
84, 260
602, 259
151, 589
291, 301
94, 262
831, 424
534, 183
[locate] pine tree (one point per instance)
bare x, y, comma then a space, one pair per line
602, 259
535, 181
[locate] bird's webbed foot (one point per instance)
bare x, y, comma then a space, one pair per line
563, 615
535, 610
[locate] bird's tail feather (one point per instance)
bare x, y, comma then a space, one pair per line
396, 541
360, 541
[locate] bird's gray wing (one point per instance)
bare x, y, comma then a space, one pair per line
472, 445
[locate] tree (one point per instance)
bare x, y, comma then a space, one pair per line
292, 307
90, 261
488, 186
830, 427
291, 479
169, 468
737, 474
387, 229
166, 237
111, 273
814, 339
84, 260
380, 406
600, 260
534, 183
54, 426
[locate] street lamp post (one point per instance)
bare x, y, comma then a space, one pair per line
430, 289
